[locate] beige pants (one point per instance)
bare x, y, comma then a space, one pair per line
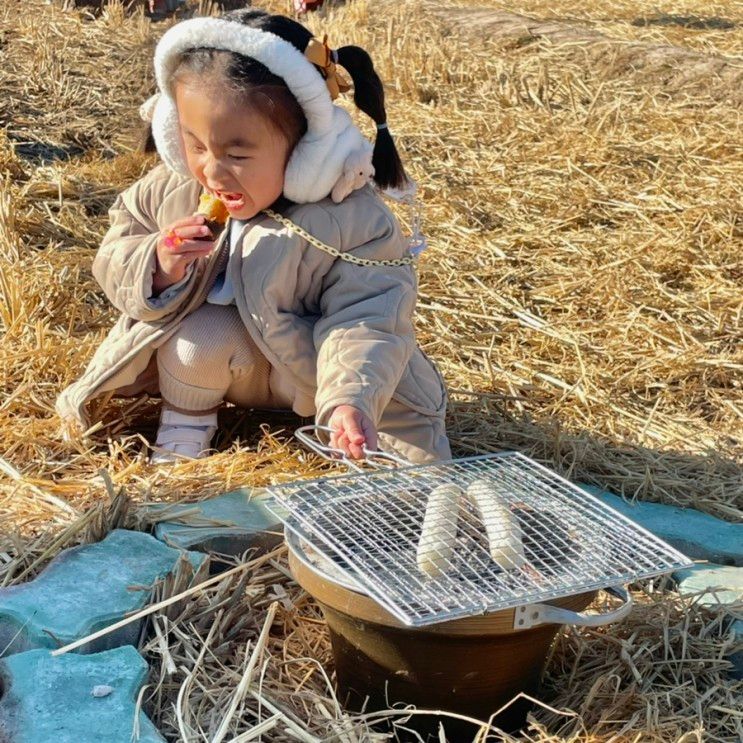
212, 358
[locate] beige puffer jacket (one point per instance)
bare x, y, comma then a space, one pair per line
337, 333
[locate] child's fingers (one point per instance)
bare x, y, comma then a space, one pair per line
353, 435
192, 249
352, 426
370, 435
186, 221
352, 430
334, 436
341, 441
175, 244
356, 450
181, 258
338, 438
192, 232
345, 445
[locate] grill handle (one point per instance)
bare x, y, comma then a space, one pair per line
532, 615
375, 459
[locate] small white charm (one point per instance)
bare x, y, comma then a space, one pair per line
357, 172
417, 242
102, 690
407, 195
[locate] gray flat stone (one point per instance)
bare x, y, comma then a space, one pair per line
45, 699
715, 585
698, 535
720, 584
84, 589
228, 524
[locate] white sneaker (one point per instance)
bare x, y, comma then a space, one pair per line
182, 436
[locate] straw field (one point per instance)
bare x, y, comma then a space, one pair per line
581, 168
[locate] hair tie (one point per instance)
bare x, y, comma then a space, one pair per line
320, 54
382, 126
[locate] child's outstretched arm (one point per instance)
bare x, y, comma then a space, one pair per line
364, 341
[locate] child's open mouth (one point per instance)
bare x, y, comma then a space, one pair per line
233, 201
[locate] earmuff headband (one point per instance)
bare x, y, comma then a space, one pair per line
319, 159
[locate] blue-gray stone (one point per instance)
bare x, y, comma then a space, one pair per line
227, 524
84, 589
717, 584
45, 699
698, 535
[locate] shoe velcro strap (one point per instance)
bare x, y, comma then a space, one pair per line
173, 418
183, 436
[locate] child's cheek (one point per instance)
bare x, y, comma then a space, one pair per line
193, 168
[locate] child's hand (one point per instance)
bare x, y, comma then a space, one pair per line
352, 431
179, 246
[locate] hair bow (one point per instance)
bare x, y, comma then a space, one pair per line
320, 54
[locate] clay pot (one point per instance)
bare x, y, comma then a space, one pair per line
470, 666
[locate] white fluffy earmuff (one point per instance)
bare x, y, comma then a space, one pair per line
332, 157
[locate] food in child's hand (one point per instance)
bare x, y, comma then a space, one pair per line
439, 532
501, 526
215, 212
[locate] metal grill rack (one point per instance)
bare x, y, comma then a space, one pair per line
369, 525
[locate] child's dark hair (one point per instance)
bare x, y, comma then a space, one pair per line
271, 96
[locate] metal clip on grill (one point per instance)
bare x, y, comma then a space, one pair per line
446, 540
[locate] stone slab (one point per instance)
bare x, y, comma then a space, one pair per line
722, 584
698, 535
45, 699
715, 585
228, 524
84, 589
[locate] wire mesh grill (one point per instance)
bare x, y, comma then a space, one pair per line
369, 526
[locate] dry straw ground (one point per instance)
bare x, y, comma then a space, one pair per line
582, 181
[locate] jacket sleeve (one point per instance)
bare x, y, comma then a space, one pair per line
365, 336
127, 259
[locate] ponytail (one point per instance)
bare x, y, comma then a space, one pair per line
368, 95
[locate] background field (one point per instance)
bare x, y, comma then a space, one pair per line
581, 169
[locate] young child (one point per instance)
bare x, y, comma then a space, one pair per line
305, 299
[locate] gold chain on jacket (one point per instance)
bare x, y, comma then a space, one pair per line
407, 261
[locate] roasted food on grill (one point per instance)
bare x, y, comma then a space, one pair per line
215, 212
501, 526
439, 532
